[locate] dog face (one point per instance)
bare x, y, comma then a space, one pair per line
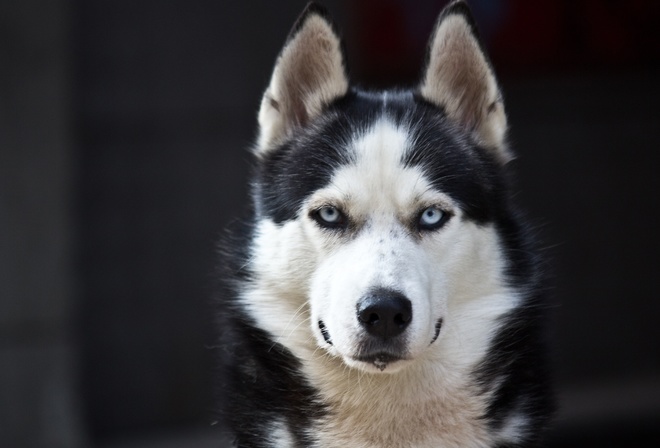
378, 293
376, 211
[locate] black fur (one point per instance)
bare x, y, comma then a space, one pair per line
266, 386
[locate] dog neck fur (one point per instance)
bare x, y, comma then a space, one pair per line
459, 78
308, 74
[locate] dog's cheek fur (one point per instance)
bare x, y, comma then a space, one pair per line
282, 263
477, 291
470, 258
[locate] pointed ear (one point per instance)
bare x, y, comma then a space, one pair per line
459, 79
309, 73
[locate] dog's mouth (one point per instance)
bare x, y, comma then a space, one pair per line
378, 353
379, 360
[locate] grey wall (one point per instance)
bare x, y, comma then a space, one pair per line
39, 399
587, 163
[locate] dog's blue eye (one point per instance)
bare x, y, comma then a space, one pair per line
432, 218
329, 216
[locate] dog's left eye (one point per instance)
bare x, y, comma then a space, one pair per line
432, 218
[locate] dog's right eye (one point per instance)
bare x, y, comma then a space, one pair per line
329, 216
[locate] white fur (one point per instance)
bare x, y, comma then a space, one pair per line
305, 274
514, 428
280, 435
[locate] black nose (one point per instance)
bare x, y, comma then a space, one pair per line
384, 313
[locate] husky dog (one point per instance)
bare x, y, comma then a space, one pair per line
385, 292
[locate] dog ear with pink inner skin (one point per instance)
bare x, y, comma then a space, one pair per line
309, 73
459, 78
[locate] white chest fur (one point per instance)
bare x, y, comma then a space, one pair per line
425, 405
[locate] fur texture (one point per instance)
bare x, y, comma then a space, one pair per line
384, 291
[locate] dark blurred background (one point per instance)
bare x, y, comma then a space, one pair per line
124, 128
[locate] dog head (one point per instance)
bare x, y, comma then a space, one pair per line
376, 211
